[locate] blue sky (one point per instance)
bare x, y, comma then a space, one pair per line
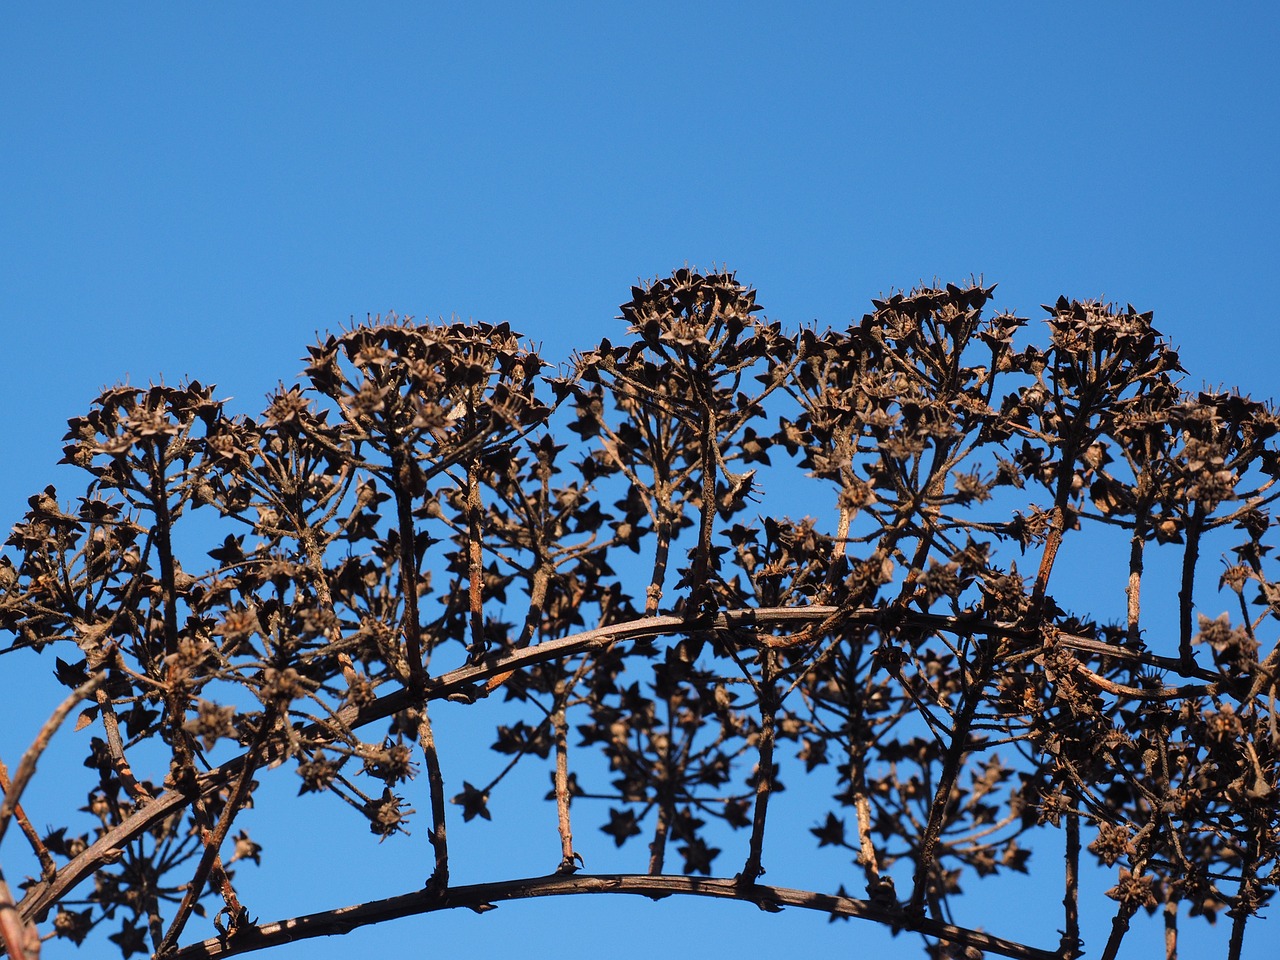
197, 190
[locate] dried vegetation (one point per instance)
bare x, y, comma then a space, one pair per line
615, 556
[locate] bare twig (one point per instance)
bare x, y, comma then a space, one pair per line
27, 766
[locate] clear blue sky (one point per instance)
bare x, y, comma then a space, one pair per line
195, 190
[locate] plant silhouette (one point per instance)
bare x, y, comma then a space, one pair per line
616, 554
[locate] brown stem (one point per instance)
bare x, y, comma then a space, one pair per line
537, 601
18, 937
1171, 930
1133, 591
164, 548
560, 727
666, 809
435, 784
866, 849
658, 846
1119, 927
764, 770
1057, 527
839, 548
1070, 945
950, 772
1128, 907
700, 599
27, 765
210, 860
475, 564
324, 596
115, 747
1190, 560
47, 867
661, 551
408, 565
1246, 898
42, 896
483, 896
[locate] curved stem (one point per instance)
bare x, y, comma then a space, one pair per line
483, 896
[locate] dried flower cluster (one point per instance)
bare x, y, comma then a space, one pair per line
609, 553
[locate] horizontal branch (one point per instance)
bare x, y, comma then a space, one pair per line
464, 682
106, 849
479, 896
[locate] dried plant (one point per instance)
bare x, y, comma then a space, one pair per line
710, 557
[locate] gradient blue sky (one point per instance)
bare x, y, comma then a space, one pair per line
196, 190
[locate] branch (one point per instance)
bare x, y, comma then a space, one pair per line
47, 866
27, 766
15, 936
17, 939
481, 896
463, 680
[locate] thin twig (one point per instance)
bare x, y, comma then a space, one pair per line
47, 867
27, 766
